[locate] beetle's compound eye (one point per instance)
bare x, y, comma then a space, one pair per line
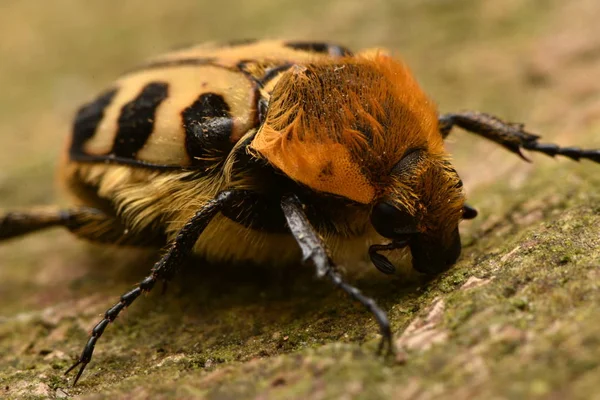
392, 223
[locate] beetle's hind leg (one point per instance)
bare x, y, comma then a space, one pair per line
18, 223
164, 269
510, 135
85, 222
314, 249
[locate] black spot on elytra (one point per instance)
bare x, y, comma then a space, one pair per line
208, 128
136, 121
320, 47
88, 118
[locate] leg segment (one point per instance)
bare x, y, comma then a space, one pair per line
510, 135
314, 249
85, 222
15, 224
164, 270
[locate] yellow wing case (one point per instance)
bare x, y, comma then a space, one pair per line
188, 108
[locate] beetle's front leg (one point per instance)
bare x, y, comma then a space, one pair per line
314, 249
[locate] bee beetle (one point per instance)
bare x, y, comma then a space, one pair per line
295, 150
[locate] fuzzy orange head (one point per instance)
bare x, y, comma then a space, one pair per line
363, 129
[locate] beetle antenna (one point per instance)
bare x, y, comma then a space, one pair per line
380, 261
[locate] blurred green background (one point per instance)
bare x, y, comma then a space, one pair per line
533, 61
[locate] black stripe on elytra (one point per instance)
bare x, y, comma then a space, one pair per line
88, 118
320, 47
208, 128
136, 121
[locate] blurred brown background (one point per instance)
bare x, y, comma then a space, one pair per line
533, 61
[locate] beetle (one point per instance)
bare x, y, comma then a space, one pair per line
298, 150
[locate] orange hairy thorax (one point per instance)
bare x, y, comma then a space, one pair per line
340, 126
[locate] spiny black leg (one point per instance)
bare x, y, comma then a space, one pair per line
380, 261
164, 270
314, 249
510, 135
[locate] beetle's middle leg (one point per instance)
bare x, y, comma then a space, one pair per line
179, 249
314, 249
